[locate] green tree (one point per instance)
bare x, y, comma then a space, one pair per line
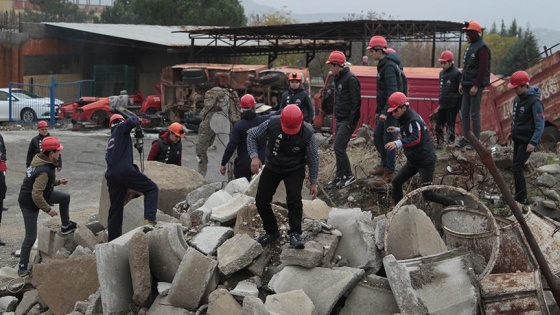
493, 29
176, 12
523, 54
513, 28
503, 31
56, 11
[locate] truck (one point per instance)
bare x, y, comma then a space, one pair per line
183, 86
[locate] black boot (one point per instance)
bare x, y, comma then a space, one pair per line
2, 243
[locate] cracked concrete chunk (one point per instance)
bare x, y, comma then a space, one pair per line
289, 303
210, 238
167, 248
237, 253
228, 211
308, 257
220, 302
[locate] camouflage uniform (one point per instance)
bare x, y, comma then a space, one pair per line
215, 100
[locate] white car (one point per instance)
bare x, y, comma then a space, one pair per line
26, 106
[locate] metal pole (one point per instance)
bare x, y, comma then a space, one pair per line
486, 158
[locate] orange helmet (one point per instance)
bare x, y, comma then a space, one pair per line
51, 144
472, 26
395, 100
114, 118
390, 51
377, 42
446, 55
337, 57
518, 78
177, 129
294, 76
247, 101
42, 124
291, 119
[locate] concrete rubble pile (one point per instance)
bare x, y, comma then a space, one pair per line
202, 258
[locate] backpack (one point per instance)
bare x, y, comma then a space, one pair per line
402, 81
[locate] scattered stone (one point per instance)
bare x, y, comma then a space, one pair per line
374, 293
292, 302
316, 209
228, 211
253, 306
8, 304
167, 248
308, 257
220, 302
237, 253
30, 299
238, 185
139, 262
161, 306
245, 288
210, 238
550, 169
163, 288
202, 192
547, 180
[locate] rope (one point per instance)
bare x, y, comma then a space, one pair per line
17, 287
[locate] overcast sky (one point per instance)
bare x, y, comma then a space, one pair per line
539, 14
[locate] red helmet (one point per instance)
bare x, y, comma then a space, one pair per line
177, 129
446, 55
337, 57
51, 144
294, 76
114, 118
395, 100
247, 101
390, 51
377, 42
472, 26
291, 119
42, 124
518, 78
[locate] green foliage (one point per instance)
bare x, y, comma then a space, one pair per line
499, 46
522, 54
369, 15
176, 12
56, 11
513, 28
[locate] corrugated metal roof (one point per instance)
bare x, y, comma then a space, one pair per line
154, 34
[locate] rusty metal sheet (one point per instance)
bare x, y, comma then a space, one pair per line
513, 293
515, 254
547, 236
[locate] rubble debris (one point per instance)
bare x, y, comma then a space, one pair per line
291, 302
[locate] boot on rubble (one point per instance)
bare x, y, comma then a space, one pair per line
385, 179
378, 171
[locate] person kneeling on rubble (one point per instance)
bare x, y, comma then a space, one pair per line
37, 193
167, 148
290, 145
122, 174
418, 149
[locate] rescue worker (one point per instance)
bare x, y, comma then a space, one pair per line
35, 144
122, 175
389, 71
291, 145
476, 76
238, 140
418, 149
37, 193
296, 94
527, 127
347, 104
167, 148
449, 99
3, 187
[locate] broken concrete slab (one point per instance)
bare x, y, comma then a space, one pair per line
161, 306
163, 287
228, 211
191, 280
258, 266
238, 185
245, 288
85, 237
167, 247
253, 306
329, 243
115, 282
401, 286
202, 215
83, 274
550, 169
139, 262
245, 219
202, 192
81, 251
289, 303
410, 233
30, 299
237, 253
323, 286
357, 242
48, 240
372, 293
308, 257
279, 195
220, 302
8, 304
380, 223
316, 209
210, 238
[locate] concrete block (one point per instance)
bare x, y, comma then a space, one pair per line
238, 185
161, 306
210, 238
316, 209
85, 237
308, 257
228, 211
259, 264
329, 243
167, 247
253, 306
372, 293
202, 214
245, 288
8, 304
139, 263
220, 302
291, 302
115, 282
237, 253
191, 280
202, 192
48, 240
163, 288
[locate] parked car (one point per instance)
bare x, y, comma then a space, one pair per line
96, 113
67, 110
26, 106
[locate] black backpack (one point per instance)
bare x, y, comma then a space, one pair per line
402, 81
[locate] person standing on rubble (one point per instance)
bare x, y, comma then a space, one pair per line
389, 81
296, 94
37, 193
122, 174
167, 148
3, 187
347, 102
35, 144
449, 99
418, 149
238, 140
475, 76
527, 127
290, 146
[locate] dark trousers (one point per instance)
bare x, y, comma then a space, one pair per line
470, 111
341, 139
30, 222
426, 177
446, 117
3, 189
118, 185
381, 137
268, 183
520, 157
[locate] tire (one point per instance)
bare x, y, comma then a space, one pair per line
193, 73
549, 139
28, 115
193, 80
100, 118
